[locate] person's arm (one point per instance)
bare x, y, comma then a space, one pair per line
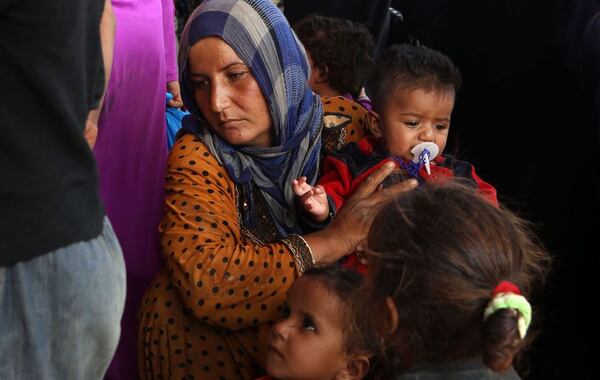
336, 179
487, 190
218, 270
107, 40
351, 224
169, 38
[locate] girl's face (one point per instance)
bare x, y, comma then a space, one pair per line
308, 342
228, 95
411, 117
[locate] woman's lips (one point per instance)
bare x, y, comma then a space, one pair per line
232, 123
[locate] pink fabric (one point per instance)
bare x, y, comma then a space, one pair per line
131, 151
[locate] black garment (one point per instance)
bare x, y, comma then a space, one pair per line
374, 14
51, 75
183, 10
458, 370
529, 114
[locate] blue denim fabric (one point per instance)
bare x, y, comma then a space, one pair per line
60, 312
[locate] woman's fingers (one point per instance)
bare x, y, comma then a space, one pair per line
371, 183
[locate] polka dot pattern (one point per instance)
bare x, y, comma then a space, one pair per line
174, 344
345, 121
221, 286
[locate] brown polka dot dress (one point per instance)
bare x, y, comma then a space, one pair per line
344, 121
207, 314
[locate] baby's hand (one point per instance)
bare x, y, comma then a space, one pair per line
312, 199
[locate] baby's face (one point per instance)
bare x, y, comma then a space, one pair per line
414, 116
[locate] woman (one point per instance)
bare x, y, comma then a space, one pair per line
229, 234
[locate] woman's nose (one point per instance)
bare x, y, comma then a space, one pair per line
219, 97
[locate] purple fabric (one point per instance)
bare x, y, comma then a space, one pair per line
362, 100
131, 151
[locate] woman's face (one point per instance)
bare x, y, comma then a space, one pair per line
228, 95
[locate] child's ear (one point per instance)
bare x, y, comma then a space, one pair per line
357, 367
373, 124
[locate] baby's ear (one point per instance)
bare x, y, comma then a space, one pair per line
373, 124
357, 367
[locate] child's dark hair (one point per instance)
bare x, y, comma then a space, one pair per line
342, 48
439, 252
343, 284
412, 67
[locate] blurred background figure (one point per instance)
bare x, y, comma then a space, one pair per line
131, 149
62, 276
375, 15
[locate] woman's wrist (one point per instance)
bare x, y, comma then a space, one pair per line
327, 246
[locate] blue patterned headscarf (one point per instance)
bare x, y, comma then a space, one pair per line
261, 36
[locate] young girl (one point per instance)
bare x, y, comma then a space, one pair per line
318, 338
449, 283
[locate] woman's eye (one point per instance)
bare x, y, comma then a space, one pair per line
199, 84
308, 324
236, 75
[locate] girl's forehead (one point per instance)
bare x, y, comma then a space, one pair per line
312, 294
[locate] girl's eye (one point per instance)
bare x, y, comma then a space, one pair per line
412, 124
307, 324
441, 127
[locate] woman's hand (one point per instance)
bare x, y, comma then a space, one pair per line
351, 225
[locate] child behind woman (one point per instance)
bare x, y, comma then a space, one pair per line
340, 57
318, 338
450, 275
340, 53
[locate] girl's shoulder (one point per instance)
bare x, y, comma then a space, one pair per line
472, 369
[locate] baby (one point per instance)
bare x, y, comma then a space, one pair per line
413, 93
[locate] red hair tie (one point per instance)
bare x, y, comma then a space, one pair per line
506, 287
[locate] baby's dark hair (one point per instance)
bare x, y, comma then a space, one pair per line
342, 47
439, 252
343, 284
412, 67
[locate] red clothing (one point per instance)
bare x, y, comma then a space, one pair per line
347, 168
